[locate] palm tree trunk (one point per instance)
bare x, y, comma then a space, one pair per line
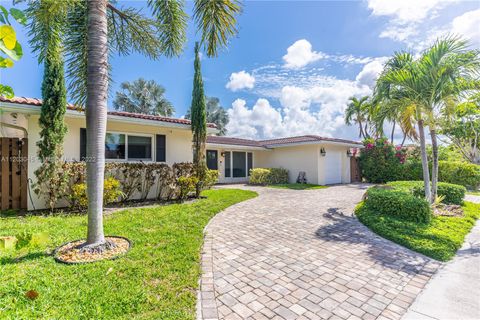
433, 135
423, 151
404, 138
362, 135
393, 130
96, 116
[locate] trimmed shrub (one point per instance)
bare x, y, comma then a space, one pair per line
186, 185
380, 161
452, 193
111, 193
211, 178
398, 204
267, 176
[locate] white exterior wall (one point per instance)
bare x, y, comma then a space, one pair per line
178, 144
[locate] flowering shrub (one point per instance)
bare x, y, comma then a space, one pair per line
380, 161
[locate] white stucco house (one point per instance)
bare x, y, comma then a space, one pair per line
137, 137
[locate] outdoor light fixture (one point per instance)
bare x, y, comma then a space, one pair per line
323, 153
349, 153
223, 154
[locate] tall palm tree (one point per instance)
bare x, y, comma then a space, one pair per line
357, 113
396, 88
142, 96
95, 29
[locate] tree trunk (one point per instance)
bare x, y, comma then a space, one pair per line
423, 150
362, 135
96, 116
404, 138
433, 135
393, 130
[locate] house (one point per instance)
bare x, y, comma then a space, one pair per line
137, 137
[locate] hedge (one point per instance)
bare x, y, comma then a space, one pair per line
453, 193
268, 176
398, 204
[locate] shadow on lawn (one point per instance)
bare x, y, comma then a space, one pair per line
24, 258
347, 228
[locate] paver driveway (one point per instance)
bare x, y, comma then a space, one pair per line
291, 254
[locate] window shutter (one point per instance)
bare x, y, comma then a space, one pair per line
83, 144
161, 148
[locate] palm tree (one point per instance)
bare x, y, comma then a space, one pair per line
96, 28
357, 113
142, 96
428, 86
215, 114
396, 88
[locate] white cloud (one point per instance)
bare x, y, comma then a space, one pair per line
240, 80
370, 72
468, 25
318, 109
300, 54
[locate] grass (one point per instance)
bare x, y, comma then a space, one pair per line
298, 186
156, 280
474, 193
440, 239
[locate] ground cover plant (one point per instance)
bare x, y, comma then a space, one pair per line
156, 280
439, 239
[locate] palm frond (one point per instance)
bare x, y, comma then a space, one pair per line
217, 21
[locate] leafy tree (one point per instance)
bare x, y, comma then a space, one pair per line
215, 114
97, 28
463, 130
10, 48
199, 123
142, 96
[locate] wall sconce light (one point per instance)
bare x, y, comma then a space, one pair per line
222, 154
323, 153
349, 153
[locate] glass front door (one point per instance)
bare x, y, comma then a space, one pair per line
238, 164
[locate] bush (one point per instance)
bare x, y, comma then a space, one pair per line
398, 204
462, 173
268, 176
186, 186
111, 193
452, 193
380, 161
211, 178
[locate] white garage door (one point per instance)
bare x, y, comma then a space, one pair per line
333, 167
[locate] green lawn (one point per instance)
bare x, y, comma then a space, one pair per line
474, 193
156, 280
440, 239
298, 186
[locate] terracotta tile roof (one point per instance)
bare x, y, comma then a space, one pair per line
304, 139
38, 102
233, 141
275, 142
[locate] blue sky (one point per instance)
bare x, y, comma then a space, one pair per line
293, 65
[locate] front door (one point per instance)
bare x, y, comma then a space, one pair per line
212, 159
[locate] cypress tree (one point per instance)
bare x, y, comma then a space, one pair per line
199, 123
54, 96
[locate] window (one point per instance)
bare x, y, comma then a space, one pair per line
212, 159
227, 164
114, 146
139, 148
239, 164
121, 146
249, 162
161, 155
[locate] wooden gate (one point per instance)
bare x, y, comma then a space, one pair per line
355, 174
13, 173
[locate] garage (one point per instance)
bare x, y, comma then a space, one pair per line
333, 167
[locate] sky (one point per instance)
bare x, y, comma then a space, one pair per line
292, 66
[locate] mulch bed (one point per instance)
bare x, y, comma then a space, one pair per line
70, 253
448, 210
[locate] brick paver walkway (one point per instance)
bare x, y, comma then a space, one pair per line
291, 254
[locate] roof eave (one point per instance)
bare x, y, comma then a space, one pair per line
320, 142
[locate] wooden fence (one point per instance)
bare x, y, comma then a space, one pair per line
13, 173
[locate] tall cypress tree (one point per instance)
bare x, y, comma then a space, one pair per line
54, 96
199, 123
